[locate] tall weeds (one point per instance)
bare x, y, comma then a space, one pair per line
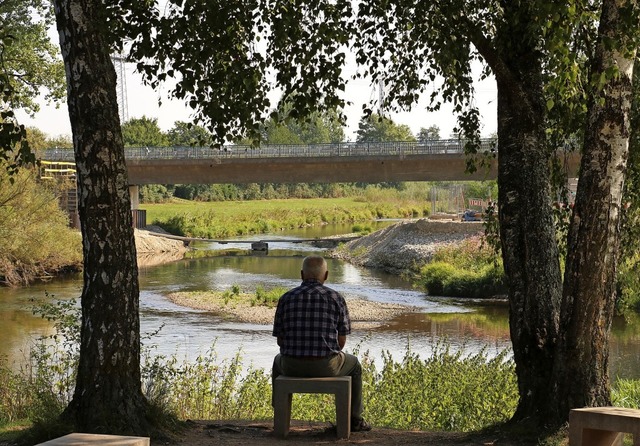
446, 391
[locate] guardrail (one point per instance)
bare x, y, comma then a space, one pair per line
344, 149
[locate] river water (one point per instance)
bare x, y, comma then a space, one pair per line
466, 326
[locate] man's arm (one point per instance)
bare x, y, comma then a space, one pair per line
342, 340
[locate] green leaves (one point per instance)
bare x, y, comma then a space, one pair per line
143, 132
375, 128
29, 67
209, 48
29, 61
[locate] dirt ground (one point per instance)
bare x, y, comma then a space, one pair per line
260, 433
248, 433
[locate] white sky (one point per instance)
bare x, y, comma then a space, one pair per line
143, 101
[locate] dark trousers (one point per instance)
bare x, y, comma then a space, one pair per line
342, 364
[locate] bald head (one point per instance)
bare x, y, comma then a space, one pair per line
314, 267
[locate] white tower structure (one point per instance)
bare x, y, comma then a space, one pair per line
381, 97
378, 95
121, 86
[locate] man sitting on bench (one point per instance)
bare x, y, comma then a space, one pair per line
311, 324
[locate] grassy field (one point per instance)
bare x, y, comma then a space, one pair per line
232, 218
233, 209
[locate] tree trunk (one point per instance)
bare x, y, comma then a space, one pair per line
527, 232
108, 396
581, 366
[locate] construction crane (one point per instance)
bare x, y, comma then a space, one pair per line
119, 61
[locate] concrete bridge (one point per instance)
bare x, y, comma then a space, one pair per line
437, 160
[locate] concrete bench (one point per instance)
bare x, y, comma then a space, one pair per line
603, 426
285, 386
77, 439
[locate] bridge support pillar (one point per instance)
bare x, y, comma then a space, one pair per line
134, 195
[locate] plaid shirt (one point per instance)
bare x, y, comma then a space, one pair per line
309, 319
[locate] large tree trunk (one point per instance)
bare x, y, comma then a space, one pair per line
581, 366
527, 232
108, 396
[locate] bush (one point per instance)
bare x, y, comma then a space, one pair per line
35, 240
628, 285
155, 193
468, 269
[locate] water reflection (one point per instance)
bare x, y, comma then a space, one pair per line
186, 333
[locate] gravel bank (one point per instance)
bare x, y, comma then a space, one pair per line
405, 245
363, 313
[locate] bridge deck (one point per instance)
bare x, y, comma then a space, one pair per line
436, 160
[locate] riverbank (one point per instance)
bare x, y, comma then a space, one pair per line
406, 245
155, 250
363, 313
396, 249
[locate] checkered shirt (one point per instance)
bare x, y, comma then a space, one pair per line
309, 319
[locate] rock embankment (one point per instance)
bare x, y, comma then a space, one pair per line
405, 245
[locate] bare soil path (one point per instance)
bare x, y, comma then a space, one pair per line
260, 433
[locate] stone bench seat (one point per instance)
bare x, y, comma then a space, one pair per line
78, 439
603, 426
285, 386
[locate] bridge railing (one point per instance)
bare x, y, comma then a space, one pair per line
343, 149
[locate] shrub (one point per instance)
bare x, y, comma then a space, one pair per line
35, 240
467, 269
361, 229
628, 285
435, 275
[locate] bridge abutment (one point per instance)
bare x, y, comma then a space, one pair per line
134, 196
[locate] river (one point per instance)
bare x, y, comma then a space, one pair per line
468, 326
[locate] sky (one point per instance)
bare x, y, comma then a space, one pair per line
143, 101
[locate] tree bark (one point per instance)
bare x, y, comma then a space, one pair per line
527, 231
108, 396
581, 366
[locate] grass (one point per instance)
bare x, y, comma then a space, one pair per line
232, 209
227, 219
233, 297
